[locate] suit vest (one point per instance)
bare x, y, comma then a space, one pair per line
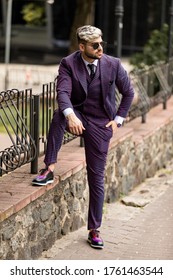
93, 106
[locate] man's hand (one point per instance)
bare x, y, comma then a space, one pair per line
113, 124
75, 125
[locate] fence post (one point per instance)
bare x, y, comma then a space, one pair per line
144, 116
0, 166
82, 142
35, 136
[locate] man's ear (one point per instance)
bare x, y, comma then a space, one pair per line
81, 47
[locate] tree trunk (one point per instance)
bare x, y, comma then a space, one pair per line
84, 15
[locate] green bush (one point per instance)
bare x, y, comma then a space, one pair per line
34, 14
154, 51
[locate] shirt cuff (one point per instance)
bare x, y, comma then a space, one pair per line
119, 119
67, 111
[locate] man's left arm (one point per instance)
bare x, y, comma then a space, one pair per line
125, 88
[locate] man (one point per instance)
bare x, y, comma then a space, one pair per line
86, 99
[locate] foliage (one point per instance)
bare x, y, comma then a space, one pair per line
34, 14
154, 51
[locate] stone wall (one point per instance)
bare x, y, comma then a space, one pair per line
35, 228
130, 162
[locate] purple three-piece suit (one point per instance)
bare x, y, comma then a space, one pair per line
93, 101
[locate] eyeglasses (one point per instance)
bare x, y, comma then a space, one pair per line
95, 46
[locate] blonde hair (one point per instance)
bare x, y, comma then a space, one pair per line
87, 33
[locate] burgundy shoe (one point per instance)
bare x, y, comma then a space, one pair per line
95, 240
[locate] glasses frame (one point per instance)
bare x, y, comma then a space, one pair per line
96, 45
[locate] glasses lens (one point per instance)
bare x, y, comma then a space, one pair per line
96, 45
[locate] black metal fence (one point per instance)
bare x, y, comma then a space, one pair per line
17, 120
25, 117
25, 120
152, 86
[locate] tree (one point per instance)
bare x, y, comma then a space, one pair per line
84, 15
154, 51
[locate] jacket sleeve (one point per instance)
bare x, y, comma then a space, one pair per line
64, 86
125, 88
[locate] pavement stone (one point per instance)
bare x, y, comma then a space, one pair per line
129, 232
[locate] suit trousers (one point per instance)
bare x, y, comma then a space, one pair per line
96, 140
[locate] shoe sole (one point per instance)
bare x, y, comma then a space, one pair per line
42, 184
95, 246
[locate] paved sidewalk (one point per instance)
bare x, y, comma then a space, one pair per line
130, 232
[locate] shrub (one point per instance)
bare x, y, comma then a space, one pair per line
34, 14
154, 51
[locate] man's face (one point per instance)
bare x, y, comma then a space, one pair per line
92, 50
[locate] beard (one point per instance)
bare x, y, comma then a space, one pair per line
93, 56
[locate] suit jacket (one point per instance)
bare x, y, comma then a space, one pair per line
72, 84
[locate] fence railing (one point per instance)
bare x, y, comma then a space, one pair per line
14, 117
152, 86
25, 117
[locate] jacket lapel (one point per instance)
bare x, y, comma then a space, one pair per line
105, 73
80, 71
